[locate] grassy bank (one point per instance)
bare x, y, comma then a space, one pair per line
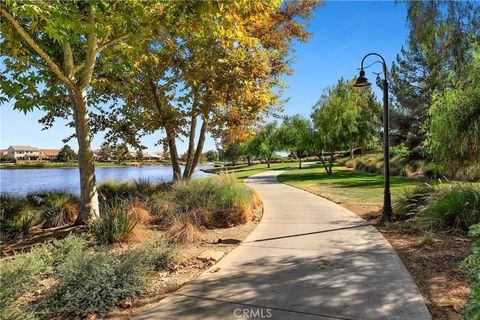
430, 233
356, 190
243, 173
113, 261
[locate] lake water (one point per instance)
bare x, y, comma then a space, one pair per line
23, 181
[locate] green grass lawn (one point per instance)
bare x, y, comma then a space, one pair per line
350, 188
244, 173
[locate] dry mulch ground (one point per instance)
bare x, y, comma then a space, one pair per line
432, 261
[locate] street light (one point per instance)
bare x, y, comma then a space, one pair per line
362, 81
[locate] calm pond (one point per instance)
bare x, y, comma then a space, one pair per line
23, 181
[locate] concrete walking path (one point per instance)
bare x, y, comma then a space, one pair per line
309, 258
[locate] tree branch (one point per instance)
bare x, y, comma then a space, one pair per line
31, 42
91, 55
109, 42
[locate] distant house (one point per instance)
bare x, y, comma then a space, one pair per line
97, 155
152, 156
23, 153
50, 154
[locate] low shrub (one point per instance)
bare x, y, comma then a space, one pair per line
433, 171
20, 274
93, 282
469, 173
471, 265
59, 209
454, 208
120, 221
400, 151
160, 255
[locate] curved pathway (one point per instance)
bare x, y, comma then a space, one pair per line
308, 258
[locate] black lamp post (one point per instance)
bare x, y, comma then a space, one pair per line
363, 82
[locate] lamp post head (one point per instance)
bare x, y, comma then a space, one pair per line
362, 81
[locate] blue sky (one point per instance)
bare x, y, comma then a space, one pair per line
343, 32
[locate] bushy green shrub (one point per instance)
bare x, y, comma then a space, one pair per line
469, 173
60, 250
115, 224
400, 151
471, 265
59, 208
93, 282
433, 171
19, 274
160, 255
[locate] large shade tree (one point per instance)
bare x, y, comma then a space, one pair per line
215, 72
266, 142
53, 50
295, 136
342, 118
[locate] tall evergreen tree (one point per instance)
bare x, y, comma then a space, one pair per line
442, 34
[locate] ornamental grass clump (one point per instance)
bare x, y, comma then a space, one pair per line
219, 201
224, 201
408, 203
59, 209
120, 221
441, 207
17, 216
453, 208
141, 189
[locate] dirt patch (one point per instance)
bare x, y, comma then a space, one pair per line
432, 261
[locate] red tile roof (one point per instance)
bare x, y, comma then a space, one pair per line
50, 152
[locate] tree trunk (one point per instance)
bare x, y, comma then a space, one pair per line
88, 189
364, 148
351, 151
199, 149
249, 161
191, 139
172, 147
268, 162
330, 164
300, 162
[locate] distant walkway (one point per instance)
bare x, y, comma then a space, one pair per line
308, 258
